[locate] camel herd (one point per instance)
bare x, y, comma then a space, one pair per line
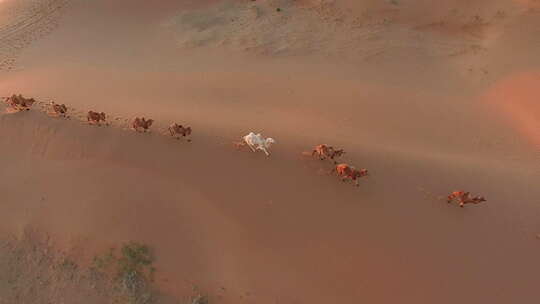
344, 171
254, 141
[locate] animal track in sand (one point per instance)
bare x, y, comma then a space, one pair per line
24, 22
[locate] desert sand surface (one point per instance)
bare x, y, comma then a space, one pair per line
430, 97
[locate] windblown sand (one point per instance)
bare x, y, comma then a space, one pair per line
430, 97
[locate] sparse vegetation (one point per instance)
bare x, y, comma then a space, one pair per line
103, 261
198, 300
130, 271
68, 264
34, 270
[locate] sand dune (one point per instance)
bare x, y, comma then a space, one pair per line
429, 99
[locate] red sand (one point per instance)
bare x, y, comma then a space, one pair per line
517, 97
424, 105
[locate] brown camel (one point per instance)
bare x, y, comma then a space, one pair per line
348, 172
324, 151
59, 109
95, 117
464, 198
141, 123
178, 131
19, 103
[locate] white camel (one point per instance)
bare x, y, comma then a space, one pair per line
257, 142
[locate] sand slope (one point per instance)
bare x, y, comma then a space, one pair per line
422, 118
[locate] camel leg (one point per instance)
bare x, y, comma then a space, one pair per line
265, 151
251, 147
